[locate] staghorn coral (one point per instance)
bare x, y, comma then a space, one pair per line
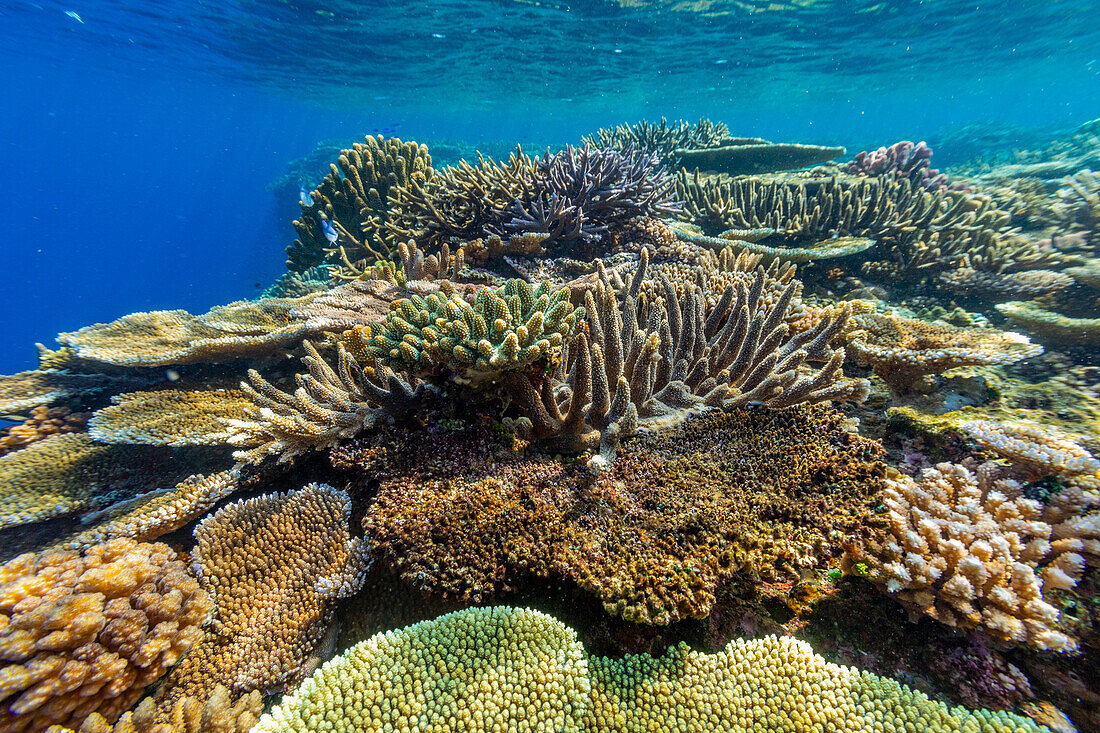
44, 422
1043, 449
274, 566
518, 669
1079, 203
70, 473
905, 351
167, 417
1050, 326
965, 553
85, 632
1026, 284
566, 200
150, 515
766, 492
750, 157
216, 714
504, 329
901, 161
328, 406
163, 338
354, 200
662, 138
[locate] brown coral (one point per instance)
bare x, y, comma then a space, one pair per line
678, 512
85, 632
904, 351
216, 714
44, 422
275, 565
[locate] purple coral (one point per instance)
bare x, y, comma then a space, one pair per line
902, 161
578, 192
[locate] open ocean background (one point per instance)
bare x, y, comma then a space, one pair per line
137, 139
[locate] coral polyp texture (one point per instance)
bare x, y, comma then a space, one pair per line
965, 550
274, 565
216, 714
905, 351
86, 632
678, 513
505, 668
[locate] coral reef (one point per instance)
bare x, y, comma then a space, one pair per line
300, 284
750, 157
1000, 285
86, 632
216, 714
901, 161
1043, 449
965, 550
761, 491
1050, 326
44, 422
164, 338
487, 668
167, 417
353, 203
905, 351
661, 138
274, 566
20, 393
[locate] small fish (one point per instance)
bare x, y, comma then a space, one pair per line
75, 16
303, 196
330, 232
439, 35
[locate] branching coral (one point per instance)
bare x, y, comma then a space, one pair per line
902, 161
44, 422
661, 138
566, 199
216, 714
765, 492
966, 554
353, 200
85, 632
904, 351
504, 329
168, 417
163, 338
483, 669
275, 565
299, 284
329, 405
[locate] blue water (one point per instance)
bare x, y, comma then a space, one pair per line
138, 138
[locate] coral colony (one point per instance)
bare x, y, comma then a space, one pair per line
669, 430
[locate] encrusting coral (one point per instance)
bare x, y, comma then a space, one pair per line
353, 201
764, 492
965, 548
86, 632
905, 351
485, 669
274, 565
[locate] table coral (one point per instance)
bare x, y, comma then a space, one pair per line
753, 157
163, 338
274, 565
168, 417
1026, 284
22, 392
1050, 326
484, 669
965, 553
86, 632
44, 422
904, 351
679, 511
1044, 450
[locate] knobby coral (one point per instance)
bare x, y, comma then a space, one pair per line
217, 714
518, 669
86, 632
274, 565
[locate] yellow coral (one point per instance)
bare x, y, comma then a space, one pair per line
496, 669
169, 417
86, 632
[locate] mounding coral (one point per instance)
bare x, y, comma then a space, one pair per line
513, 668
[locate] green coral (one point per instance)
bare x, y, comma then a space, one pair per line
504, 329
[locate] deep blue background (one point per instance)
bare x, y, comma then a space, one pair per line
133, 181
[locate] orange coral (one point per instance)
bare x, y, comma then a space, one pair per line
217, 714
86, 632
43, 423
